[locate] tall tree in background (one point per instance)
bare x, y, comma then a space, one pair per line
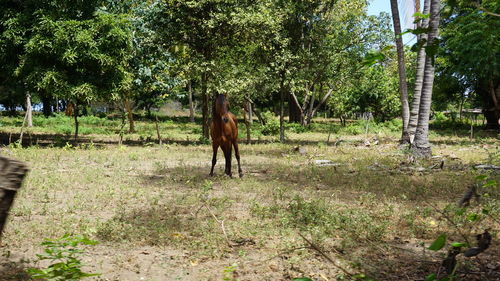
421, 145
403, 87
201, 28
470, 54
72, 50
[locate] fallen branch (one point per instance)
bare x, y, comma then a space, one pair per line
328, 258
221, 222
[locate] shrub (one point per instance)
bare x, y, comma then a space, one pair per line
272, 128
65, 255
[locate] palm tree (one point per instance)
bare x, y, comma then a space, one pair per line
419, 75
421, 145
403, 88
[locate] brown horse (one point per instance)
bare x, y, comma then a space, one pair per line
224, 133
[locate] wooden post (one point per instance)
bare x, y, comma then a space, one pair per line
12, 173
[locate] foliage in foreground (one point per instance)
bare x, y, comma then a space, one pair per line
64, 253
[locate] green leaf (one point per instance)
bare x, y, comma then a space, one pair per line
420, 30
490, 183
473, 217
431, 50
438, 244
458, 244
430, 277
421, 15
482, 177
302, 279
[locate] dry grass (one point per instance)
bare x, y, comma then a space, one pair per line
159, 216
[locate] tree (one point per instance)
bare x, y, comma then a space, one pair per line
403, 88
199, 28
150, 62
470, 52
421, 145
74, 51
422, 23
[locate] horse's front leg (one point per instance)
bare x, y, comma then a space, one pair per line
215, 147
227, 148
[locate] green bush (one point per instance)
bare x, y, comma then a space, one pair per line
297, 128
439, 116
354, 129
272, 128
64, 254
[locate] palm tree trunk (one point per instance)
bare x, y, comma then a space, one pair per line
421, 145
403, 87
419, 76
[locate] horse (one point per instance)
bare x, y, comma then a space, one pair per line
224, 133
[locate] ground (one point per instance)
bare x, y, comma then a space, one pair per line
157, 215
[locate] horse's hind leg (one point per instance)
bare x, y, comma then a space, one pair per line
237, 154
228, 149
215, 147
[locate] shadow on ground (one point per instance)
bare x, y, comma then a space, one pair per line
12, 271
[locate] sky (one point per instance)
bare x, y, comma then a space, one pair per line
377, 6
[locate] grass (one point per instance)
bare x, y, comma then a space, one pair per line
159, 216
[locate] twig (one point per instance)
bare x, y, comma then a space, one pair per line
221, 222
317, 249
478, 6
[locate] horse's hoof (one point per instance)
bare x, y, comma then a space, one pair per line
241, 175
211, 174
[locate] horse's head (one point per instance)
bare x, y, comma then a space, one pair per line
221, 107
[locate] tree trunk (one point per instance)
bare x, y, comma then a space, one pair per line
12, 174
313, 112
47, 108
130, 115
295, 113
191, 108
75, 113
158, 130
419, 76
259, 116
206, 99
496, 105
309, 112
461, 107
421, 145
403, 87
250, 113
29, 110
491, 119
247, 109
282, 111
